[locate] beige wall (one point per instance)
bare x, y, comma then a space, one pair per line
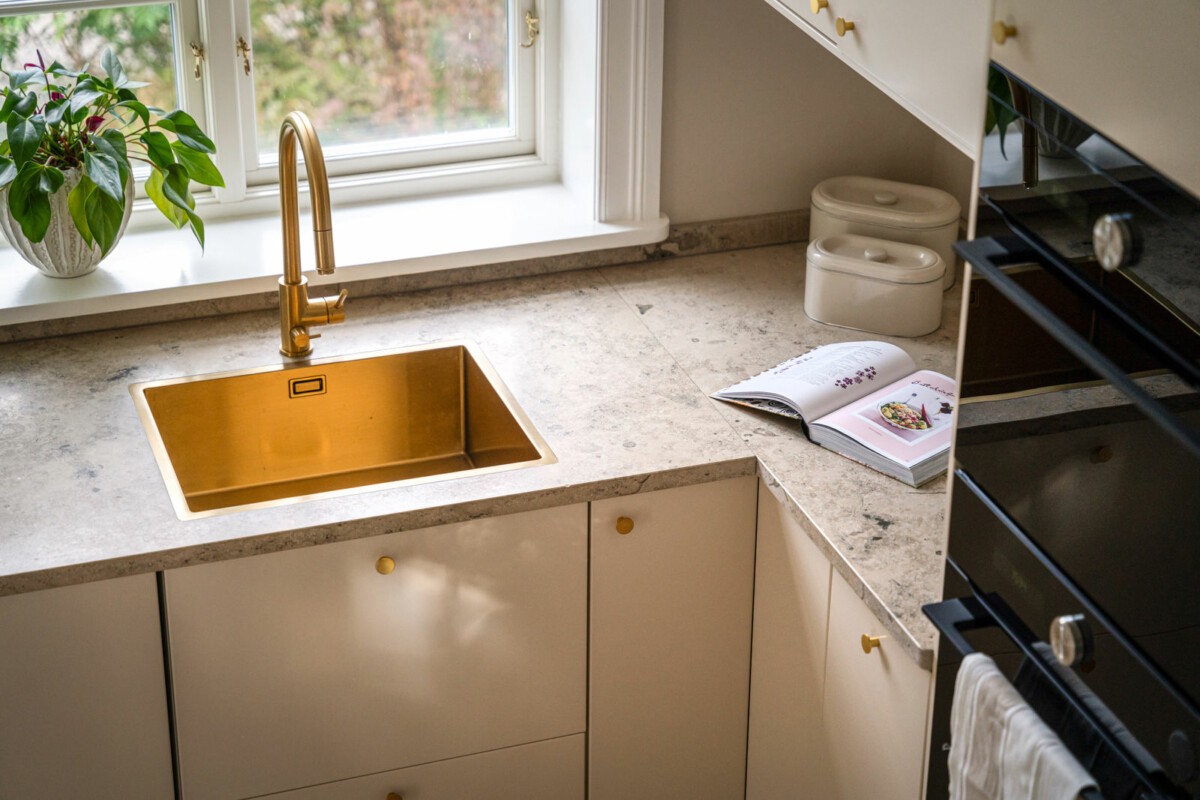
755, 113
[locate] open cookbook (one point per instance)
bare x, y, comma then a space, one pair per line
865, 400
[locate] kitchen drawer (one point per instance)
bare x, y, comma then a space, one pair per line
876, 707
551, 770
1083, 54
801, 13
309, 665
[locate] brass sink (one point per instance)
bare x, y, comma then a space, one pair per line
282, 434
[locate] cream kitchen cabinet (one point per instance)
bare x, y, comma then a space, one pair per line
83, 698
929, 56
827, 720
876, 707
330, 663
787, 748
1082, 54
672, 577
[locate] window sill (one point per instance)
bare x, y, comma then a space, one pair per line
371, 240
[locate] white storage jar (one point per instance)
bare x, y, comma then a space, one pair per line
873, 285
898, 212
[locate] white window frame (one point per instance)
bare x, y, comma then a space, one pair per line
592, 183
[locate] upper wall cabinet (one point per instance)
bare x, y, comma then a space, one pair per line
1083, 54
931, 56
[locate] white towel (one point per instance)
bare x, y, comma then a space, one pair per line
999, 747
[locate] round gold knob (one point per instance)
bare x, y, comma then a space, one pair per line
394, 796
624, 525
870, 642
1002, 32
844, 25
817, 5
385, 565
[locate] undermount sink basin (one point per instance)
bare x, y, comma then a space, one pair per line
282, 434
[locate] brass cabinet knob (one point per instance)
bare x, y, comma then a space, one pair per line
817, 5
1002, 32
394, 796
385, 565
870, 642
624, 525
844, 25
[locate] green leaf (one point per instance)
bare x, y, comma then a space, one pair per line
51, 180
158, 148
30, 206
199, 166
195, 139
175, 187
55, 110
179, 117
999, 105
115, 141
26, 106
114, 70
58, 69
82, 98
104, 217
77, 204
24, 77
25, 136
104, 170
8, 171
154, 190
10, 102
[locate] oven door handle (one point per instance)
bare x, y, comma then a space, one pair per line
989, 256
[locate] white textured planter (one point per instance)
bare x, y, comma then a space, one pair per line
63, 253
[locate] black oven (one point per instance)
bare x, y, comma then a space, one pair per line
1075, 498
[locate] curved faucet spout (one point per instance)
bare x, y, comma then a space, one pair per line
297, 312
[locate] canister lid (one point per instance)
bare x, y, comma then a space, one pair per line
866, 257
889, 203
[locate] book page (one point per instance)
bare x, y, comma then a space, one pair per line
826, 377
907, 421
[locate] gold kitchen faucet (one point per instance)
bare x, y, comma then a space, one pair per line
298, 312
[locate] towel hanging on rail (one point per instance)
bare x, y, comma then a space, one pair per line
999, 748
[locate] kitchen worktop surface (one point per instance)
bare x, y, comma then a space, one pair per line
613, 366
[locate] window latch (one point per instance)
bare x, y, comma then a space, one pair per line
198, 54
531, 28
243, 50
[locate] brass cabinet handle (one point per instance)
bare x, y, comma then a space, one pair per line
1002, 32
385, 565
870, 642
624, 525
817, 5
843, 25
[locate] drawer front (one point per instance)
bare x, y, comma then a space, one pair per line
309, 665
551, 770
931, 56
820, 23
876, 707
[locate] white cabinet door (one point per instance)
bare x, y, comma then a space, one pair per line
307, 666
1129, 71
787, 754
671, 605
875, 707
550, 770
930, 56
83, 700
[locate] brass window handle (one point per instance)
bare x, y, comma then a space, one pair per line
243, 50
532, 24
198, 54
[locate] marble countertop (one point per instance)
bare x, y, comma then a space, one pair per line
613, 366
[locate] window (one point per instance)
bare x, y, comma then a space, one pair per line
389, 84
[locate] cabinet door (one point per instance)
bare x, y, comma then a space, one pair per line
309, 665
787, 675
551, 770
875, 707
83, 700
670, 643
1130, 75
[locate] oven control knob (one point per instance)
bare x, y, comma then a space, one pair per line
1071, 640
1116, 241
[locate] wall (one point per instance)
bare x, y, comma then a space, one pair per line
755, 114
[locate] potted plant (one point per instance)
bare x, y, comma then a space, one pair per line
66, 180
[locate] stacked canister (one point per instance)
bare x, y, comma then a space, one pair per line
880, 255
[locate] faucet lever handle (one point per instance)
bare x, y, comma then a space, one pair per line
341, 298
